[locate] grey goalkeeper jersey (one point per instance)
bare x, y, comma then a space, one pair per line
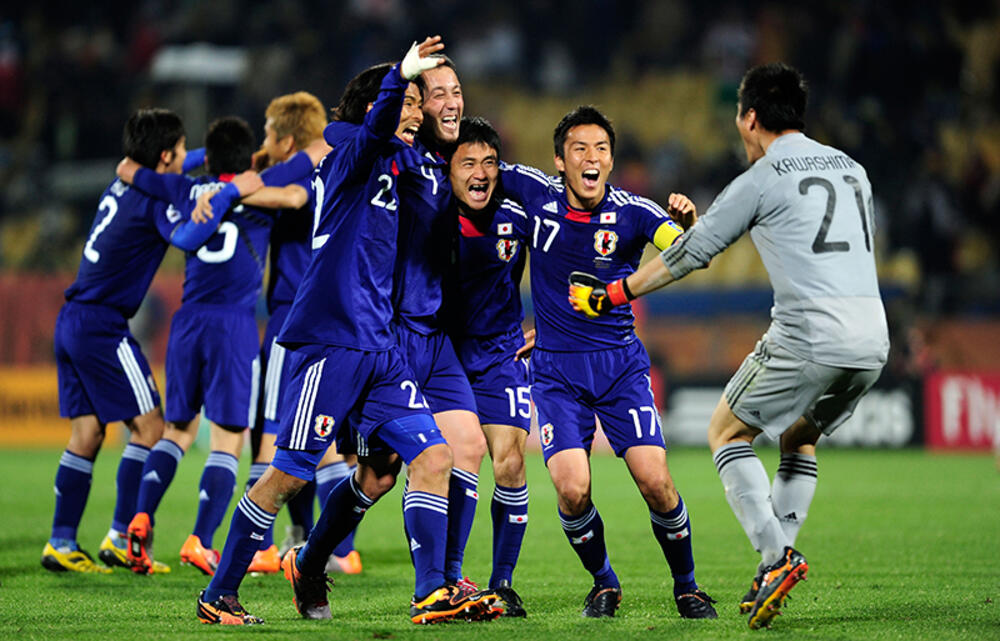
809, 211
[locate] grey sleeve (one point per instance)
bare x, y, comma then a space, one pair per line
730, 215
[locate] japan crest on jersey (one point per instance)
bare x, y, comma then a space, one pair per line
605, 242
506, 249
323, 426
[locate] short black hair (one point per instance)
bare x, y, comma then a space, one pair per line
777, 93
475, 129
361, 90
582, 115
229, 145
448, 62
149, 132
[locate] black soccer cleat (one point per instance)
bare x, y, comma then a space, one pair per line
779, 579
746, 603
602, 602
696, 605
511, 601
310, 589
448, 603
226, 610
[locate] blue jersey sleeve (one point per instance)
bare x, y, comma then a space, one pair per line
176, 190
173, 188
524, 183
291, 171
379, 126
195, 158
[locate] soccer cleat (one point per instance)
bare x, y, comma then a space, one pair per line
194, 553
466, 586
512, 604
310, 590
696, 605
66, 560
746, 603
778, 580
139, 552
266, 561
602, 602
294, 537
226, 610
350, 564
447, 603
113, 556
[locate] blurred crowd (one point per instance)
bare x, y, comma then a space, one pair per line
908, 89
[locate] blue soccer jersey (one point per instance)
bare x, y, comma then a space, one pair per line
426, 229
290, 250
483, 296
124, 248
345, 295
607, 242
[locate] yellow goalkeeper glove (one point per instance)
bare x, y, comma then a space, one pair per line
593, 297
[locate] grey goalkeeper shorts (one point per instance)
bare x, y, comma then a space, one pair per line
774, 387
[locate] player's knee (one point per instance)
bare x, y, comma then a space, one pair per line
469, 450
508, 468
434, 462
148, 428
659, 492
574, 497
375, 485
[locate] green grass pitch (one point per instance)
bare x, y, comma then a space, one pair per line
901, 545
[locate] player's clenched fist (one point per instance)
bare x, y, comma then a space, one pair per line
592, 296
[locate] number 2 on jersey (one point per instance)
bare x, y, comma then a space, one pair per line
111, 205
386, 181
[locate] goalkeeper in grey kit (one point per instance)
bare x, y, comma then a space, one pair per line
808, 208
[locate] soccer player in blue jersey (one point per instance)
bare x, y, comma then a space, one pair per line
222, 283
103, 375
585, 368
484, 313
349, 381
426, 228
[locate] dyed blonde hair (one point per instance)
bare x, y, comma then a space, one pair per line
300, 115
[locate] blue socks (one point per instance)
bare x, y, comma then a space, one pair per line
344, 509
462, 501
72, 488
300, 508
129, 478
256, 471
157, 473
509, 510
425, 518
327, 477
586, 535
218, 482
248, 525
673, 532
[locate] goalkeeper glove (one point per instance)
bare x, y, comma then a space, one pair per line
593, 297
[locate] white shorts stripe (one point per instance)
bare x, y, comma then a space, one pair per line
272, 381
254, 390
143, 397
307, 399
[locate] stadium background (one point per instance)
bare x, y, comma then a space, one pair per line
908, 89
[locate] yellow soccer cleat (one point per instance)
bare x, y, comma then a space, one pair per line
66, 560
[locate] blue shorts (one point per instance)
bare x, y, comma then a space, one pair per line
571, 388
213, 359
336, 394
499, 383
439, 374
274, 370
100, 367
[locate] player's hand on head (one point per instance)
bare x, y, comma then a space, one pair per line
529, 344
682, 210
248, 182
260, 160
417, 60
126, 169
202, 212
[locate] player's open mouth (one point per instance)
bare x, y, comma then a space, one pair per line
410, 134
449, 122
590, 178
479, 192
